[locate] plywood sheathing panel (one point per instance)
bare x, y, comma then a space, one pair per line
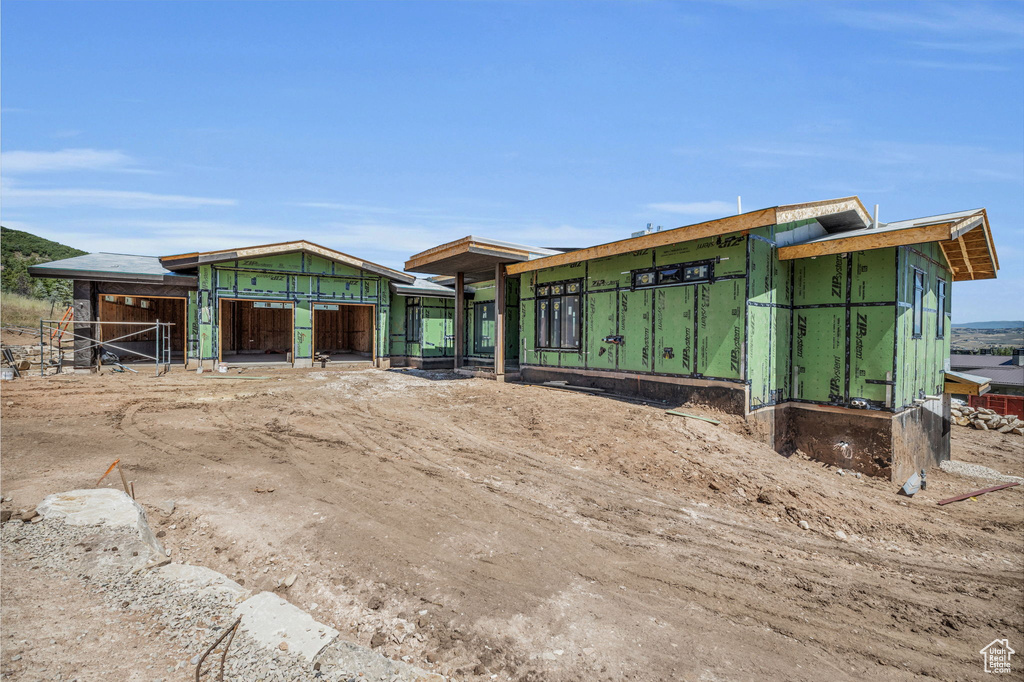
163, 309
245, 328
349, 329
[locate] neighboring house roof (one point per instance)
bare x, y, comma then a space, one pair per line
1004, 376
423, 287
187, 261
845, 213
968, 361
111, 267
964, 237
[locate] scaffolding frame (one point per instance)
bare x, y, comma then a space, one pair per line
161, 355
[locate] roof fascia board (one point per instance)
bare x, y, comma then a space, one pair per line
191, 260
423, 260
867, 242
738, 223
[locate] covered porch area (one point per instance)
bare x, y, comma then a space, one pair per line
474, 260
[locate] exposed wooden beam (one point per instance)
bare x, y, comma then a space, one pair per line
967, 259
739, 223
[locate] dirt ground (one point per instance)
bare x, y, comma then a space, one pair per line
537, 534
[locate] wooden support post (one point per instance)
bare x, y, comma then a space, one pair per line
460, 316
499, 320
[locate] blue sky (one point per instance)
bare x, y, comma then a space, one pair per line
382, 129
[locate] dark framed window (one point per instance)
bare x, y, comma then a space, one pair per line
918, 303
413, 320
559, 316
483, 328
940, 323
681, 273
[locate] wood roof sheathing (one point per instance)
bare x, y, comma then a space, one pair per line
190, 260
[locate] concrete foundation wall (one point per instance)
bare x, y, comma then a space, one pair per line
920, 438
724, 396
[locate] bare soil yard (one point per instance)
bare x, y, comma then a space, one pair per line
537, 534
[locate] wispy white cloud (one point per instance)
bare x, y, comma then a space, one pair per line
889, 161
349, 208
116, 199
956, 66
694, 208
957, 18
21, 162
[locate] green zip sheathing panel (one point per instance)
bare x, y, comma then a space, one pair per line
921, 361
484, 292
844, 329
299, 278
692, 329
436, 325
674, 329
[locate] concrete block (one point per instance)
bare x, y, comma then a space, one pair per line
271, 620
107, 508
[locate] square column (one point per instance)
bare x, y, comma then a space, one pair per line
499, 320
460, 317
85, 334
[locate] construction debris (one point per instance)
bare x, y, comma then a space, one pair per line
984, 419
977, 492
692, 416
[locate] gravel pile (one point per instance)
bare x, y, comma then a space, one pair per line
185, 620
977, 471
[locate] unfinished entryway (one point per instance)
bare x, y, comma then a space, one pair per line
133, 310
256, 331
343, 332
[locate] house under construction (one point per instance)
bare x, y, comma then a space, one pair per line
827, 331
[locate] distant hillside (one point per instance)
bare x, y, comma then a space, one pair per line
18, 251
1002, 324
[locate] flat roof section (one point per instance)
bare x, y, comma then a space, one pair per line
476, 257
115, 267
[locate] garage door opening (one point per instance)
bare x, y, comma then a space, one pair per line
343, 333
136, 309
256, 331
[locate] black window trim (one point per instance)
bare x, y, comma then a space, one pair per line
657, 271
940, 305
550, 297
916, 309
414, 334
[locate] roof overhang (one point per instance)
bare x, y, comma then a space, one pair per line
962, 383
188, 261
426, 290
965, 239
475, 257
833, 214
105, 276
